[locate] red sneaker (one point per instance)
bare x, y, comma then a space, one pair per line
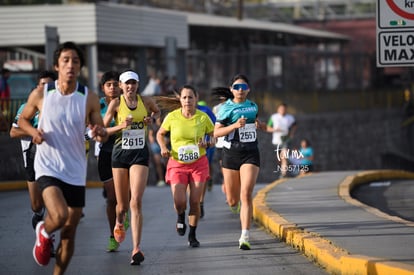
43, 246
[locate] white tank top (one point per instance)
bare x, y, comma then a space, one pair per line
62, 154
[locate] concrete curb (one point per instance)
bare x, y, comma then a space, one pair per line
353, 181
334, 259
20, 184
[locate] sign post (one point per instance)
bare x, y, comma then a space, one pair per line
395, 33
52, 41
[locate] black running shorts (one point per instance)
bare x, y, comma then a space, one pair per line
29, 164
74, 195
239, 154
105, 165
122, 158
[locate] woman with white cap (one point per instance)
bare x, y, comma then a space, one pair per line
130, 156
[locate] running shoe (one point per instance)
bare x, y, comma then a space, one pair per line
112, 245
192, 241
43, 246
126, 221
235, 209
161, 183
119, 233
244, 244
137, 257
36, 218
181, 227
201, 210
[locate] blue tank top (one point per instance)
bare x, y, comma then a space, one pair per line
109, 144
230, 112
34, 121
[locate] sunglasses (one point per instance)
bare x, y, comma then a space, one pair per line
239, 86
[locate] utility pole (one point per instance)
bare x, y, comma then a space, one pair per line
51, 43
240, 10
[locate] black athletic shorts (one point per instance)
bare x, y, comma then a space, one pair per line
74, 195
29, 155
122, 158
219, 153
240, 154
105, 165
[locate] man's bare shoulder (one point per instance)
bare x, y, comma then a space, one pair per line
92, 102
36, 95
92, 99
93, 96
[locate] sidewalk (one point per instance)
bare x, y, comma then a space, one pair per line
316, 215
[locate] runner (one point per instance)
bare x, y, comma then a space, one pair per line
222, 94
188, 164
60, 162
237, 121
130, 156
29, 151
202, 106
110, 88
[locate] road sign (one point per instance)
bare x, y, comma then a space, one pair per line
395, 33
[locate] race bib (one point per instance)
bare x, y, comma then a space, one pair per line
188, 153
133, 139
247, 133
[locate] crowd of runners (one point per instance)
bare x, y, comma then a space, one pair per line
61, 116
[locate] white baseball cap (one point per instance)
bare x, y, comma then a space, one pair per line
128, 75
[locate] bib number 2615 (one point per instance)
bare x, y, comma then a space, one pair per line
133, 139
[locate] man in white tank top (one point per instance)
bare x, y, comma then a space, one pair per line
65, 107
282, 126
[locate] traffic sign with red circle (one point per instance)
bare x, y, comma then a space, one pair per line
395, 33
395, 14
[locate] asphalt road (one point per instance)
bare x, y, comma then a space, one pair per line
165, 251
394, 197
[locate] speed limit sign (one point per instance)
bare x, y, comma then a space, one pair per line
395, 33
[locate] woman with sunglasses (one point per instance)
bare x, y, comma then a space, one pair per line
237, 122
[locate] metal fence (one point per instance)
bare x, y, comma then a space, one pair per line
9, 110
283, 69
317, 80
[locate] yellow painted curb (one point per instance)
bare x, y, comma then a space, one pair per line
334, 259
18, 185
13, 185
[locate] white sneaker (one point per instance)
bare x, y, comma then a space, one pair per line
244, 243
161, 183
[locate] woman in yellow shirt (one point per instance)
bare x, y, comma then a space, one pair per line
187, 167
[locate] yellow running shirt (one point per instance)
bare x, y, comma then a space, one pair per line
132, 137
185, 134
